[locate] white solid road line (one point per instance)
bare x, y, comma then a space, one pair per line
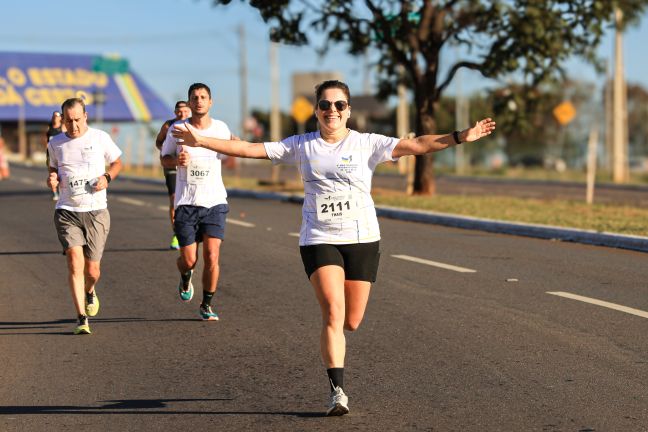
435, 264
594, 301
240, 223
131, 201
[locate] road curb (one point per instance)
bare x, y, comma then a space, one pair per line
637, 243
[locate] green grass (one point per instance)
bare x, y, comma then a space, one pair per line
571, 214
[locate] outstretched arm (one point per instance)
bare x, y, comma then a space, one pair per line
431, 143
237, 148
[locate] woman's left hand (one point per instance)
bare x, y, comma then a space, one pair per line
481, 129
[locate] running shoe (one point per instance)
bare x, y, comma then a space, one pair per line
339, 403
207, 314
92, 304
55, 196
175, 245
185, 287
83, 327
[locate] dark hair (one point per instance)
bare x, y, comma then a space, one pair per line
69, 103
332, 84
180, 104
196, 86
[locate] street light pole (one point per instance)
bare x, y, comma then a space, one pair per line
619, 109
275, 113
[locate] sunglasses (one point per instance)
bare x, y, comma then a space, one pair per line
326, 104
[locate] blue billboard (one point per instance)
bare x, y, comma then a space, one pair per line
34, 85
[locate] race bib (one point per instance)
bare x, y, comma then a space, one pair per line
199, 171
78, 185
337, 206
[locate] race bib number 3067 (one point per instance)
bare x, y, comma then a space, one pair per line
337, 206
198, 171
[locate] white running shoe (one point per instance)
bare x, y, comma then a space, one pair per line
339, 403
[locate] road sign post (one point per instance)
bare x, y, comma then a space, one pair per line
301, 111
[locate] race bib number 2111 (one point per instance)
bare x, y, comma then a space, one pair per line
337, 206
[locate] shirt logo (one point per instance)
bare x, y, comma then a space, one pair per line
347, 165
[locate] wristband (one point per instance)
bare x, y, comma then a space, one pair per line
455, 136
108, 178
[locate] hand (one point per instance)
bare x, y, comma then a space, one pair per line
481, 129
52, 181
186, 133
183, 157
100, 184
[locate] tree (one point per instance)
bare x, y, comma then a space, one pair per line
525, 117
532, 38
637, 115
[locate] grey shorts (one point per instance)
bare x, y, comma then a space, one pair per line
87, 229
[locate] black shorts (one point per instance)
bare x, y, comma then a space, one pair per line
170, 180
192, 222
359, 260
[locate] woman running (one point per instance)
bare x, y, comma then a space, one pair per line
339, 238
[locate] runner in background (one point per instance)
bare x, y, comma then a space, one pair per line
4, 163
54, 128
182, 112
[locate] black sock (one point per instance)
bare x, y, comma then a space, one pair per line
90, 297
207, 298
82, 319
336, 377
186, 276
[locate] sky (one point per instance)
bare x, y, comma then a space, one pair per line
173, 43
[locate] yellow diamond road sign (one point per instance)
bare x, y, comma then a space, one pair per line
564, 112
302, 109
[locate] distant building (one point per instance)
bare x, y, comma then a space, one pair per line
304, 83
32, 86
369, 113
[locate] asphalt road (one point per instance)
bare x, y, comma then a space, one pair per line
461, 332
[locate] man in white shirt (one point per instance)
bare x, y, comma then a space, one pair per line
200, 199
182, 112
77, 163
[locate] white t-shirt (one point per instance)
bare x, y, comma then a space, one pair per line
200, 183
338, 208
80, 161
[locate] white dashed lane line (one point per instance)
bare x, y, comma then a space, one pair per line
240, 223
26, 180
602, 303
164, 208
132, 201
435, 264
293, 234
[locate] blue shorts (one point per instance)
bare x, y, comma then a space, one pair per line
192, 222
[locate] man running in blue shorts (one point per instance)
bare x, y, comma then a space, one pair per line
200, 199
